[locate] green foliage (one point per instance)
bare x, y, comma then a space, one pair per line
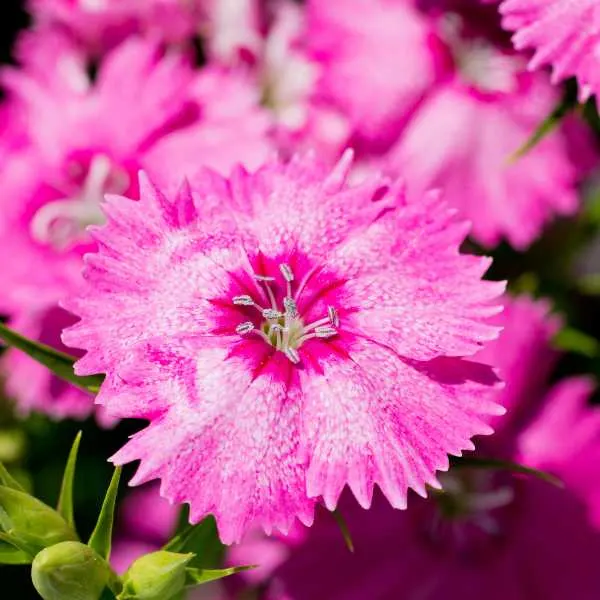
474, 462
59, 363
101, 537
65, 500
29, 524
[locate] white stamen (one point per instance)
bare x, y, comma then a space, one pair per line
291, 310
271, 313
287, 272
325, 332
244, 328
243, 300
334, 318
293, 355
263, 278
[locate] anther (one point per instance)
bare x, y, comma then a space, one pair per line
245, 327
243, 300
325, 332
263, 277
287, 272
271, 313
291, 310
293, 355
334, 318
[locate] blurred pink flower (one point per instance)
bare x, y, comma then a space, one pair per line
565, 439
524, 358
286, 334
563, 33
145, 110
463, 139
377, 59
489, 536
100, 25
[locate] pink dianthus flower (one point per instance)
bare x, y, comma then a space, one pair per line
563, 33
286, 334
464, 139
73, 140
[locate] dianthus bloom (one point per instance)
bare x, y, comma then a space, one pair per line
488, 534
145, 109
100, 25
563, 33
464, 138
286, 334
377, 60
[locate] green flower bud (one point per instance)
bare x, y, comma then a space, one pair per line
30, 522
156, 576
69, 571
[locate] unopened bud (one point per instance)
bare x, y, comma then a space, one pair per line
156, 576
69, 571
31, 522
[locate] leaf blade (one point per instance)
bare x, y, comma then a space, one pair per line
200, 576
8, 480
59, 363
101, 537
506, 465
65, 499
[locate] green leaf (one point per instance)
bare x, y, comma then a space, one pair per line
59, 363
589, 285
202, 539
341, 522
11, 554
549, 124
573, 340
200, 576
31, 524
101, 537
472, 462
8, 480
65, 500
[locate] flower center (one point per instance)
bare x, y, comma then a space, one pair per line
62, 223
282, 326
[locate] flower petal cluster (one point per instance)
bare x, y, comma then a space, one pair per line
287, 334
563, 33
144, 109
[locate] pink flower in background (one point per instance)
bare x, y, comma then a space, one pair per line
145, 110
563, 33
100, 25
378, 59
489, 536
287, 334
146, 522
464, 137
524, 358
565, 439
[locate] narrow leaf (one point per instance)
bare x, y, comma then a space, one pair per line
59, 363
8, 480
199, 576
505, 465
101, 537
65, 500
549, 124
341, 522
202, 539
573, 340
